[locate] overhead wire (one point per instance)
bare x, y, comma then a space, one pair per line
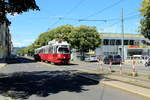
106, 8
78, 4
134, 16
102, 10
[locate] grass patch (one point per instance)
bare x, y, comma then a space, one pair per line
149, 76
135, 74
113, 71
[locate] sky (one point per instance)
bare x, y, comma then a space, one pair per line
26, 27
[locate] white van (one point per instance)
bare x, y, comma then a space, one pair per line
137, 56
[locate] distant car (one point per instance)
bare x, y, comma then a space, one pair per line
115, 59
13, 56
91, 58
147, 62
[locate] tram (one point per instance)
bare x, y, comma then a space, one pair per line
55, 52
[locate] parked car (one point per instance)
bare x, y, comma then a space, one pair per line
115, 59
147, 62
91, 58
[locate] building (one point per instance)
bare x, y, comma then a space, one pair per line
134, 44
5, 41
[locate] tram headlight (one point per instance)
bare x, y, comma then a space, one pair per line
59, 55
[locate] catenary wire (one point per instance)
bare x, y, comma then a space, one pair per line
78, 4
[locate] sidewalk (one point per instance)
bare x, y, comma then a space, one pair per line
2, 65
123, 82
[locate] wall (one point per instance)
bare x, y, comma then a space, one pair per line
5, 41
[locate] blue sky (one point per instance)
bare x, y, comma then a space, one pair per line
25, 28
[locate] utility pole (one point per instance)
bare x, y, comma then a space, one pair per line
122, 32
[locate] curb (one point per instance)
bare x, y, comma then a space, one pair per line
87, 71
129, 88
83, 76
3, 65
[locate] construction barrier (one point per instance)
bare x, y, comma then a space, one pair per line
121, 68
110, 65
101, 64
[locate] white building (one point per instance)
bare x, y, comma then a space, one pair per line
133, 45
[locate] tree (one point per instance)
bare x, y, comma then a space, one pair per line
15, 6
82, 38
85, 38
145, 21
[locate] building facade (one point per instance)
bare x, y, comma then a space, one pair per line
133, 44
5, 41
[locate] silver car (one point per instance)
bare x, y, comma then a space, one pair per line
91, 58
147, 62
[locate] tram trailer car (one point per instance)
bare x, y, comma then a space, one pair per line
55, 52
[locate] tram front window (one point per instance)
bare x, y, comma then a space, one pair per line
63, 50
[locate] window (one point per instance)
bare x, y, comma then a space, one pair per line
112, 42
106, 42
117, 56
136, 42
118, 42
50, 49
63, 50
131, 42
125, 42
110, 56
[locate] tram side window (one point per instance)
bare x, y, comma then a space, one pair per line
55, 50
46, 50
50, 49
106, 42
118, 42
42, 50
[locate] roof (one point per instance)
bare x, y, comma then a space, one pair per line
118, 35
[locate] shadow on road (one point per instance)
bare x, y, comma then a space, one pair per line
22, 85
19, 60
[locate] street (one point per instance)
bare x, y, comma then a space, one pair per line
25, 79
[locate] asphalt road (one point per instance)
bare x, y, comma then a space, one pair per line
25, 79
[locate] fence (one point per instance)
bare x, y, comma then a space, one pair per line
138, 60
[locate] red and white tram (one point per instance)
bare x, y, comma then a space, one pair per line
55, 52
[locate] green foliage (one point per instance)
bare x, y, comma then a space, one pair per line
16, 6
145, 22
149, 76
82, 38
113, 71
135, 74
